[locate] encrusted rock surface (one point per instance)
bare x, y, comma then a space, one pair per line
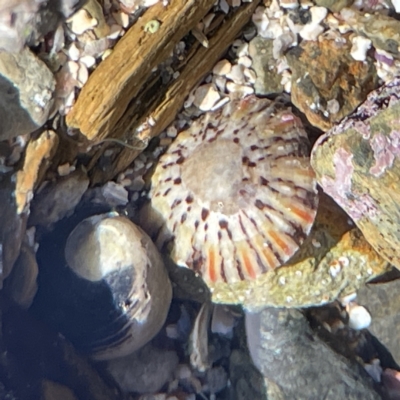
268, 80
357, 164
334, 261
26, 88
327, 83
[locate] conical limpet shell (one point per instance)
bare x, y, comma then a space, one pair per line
236, 191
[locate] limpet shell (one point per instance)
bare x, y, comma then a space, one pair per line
236, 191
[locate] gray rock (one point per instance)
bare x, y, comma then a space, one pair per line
145, 371
26, 93
264, 65
12, 225
59, 199
383, 303
300, 366
246, 380
27, 21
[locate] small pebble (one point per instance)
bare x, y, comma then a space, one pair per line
205, 97
359, 317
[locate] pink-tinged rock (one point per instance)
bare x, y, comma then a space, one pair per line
357, 164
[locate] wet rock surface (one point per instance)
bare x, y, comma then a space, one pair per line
286, 351
27, 87
327, 83
382, 302
268, 80
357, 165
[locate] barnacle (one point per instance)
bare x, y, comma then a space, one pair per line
236, 191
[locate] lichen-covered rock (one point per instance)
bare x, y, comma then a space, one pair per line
327, 83
334, 261
26, 93
357, 164
334, 5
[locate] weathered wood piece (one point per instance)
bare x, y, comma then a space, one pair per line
119, 78
163, 105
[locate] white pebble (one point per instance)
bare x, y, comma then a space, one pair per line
81, 21
359, 48
239, 89
73, 52
236, 74
222, 67
89, 61
245, 61
359, 317
205, 97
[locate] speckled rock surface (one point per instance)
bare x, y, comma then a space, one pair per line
383, 303
334, 261
26, 88
357, 165
334, 5
268, 81
327, 83
301, 366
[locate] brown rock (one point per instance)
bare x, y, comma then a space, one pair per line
327, 83
37, 153
357, 164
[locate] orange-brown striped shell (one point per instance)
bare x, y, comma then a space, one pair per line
236, 191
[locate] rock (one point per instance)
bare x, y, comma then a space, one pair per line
26, 21
324, 71
27, 87
145, 371
357, 165
58, 199
53, 391
383, 303
381, 29
287, 352
12, 225
334, 5
37, 158
334, 261
246, 380
264, 65
45, 356
21, 285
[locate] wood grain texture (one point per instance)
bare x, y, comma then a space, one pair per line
163, 105
119, 78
